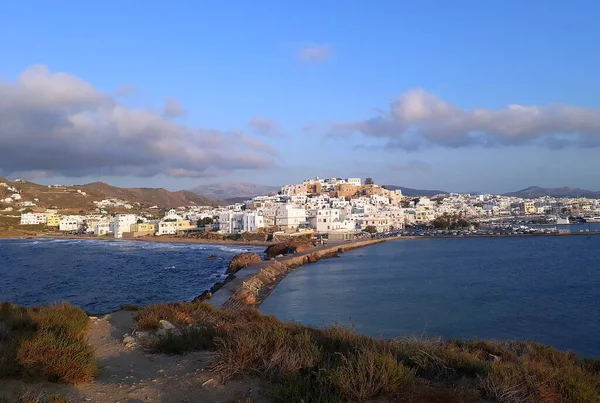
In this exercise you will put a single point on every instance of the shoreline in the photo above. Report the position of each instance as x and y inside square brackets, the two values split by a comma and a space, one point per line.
[253, 283]
[140, 239]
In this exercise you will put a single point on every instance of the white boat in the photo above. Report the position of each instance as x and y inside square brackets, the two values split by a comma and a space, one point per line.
[562, 221]
[592, 219]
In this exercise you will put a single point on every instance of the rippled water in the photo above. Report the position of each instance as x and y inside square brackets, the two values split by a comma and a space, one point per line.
[101, 275]
[534, 288]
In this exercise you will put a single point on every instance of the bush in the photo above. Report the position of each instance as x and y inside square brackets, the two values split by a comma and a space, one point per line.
[58, 358]
[270, 349]
[306, 364]
[313, 387]
[369, 372]
[46, 342]
[186, 339]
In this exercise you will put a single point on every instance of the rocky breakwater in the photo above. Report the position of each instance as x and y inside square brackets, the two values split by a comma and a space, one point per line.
[285, 248]
[238, 262]
[255, 290]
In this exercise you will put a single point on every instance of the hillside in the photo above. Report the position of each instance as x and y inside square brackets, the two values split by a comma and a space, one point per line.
[536, 191]
[159, 197]
[234, 190]
[416, 192]
[82, 197]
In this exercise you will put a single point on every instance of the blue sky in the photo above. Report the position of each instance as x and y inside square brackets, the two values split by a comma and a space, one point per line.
[384, 89]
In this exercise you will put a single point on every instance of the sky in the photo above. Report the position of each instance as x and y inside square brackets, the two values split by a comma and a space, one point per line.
[487, 96]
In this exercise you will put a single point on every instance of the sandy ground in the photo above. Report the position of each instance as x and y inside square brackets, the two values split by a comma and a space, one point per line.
[134, 376]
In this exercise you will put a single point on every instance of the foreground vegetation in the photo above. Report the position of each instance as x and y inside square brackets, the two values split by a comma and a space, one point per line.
[305, 364]
[45, 344]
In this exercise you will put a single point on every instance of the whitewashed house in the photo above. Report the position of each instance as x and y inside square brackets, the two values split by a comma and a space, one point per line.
[33, 218]
[70, 223]
[290, 216]
[252, 221]
[123, 223]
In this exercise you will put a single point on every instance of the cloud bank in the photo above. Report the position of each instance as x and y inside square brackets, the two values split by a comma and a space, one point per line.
[419, 119]
[315, 54]
[58, 124]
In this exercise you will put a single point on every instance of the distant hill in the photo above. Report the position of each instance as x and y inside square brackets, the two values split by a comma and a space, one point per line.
[536, 191]
[234, 190]
[160, 197]
[69, 197]
[416, 192]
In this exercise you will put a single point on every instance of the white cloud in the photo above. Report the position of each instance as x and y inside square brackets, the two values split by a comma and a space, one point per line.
[59, 124]
[418, 119]
[315, 54]
[173, 108]
[265, 127]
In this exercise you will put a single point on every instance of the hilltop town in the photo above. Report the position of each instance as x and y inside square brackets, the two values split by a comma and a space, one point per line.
[340, 208]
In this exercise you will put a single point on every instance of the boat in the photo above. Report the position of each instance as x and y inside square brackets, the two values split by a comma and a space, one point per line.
[592, 219]
[562, 221]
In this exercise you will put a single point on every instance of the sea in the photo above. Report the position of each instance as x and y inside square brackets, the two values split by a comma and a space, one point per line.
[99, 276]
[540, 288]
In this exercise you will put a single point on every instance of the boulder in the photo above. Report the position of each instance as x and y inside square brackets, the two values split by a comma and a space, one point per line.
[284, 248]
[203, 297]
[165, 324]
[242, 260]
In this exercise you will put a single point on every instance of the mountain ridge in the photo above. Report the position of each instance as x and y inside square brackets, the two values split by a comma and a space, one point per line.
[415, 192]
[81, 197]
[226, 191]
[565, 191]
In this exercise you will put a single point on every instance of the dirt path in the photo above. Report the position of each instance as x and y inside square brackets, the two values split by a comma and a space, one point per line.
[134, 376]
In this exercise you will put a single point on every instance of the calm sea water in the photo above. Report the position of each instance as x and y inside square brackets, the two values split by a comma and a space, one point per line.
[545, 289]
[101, 275]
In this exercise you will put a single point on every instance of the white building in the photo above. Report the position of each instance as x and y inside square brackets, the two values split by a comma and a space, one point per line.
[231, 222]
[123, 224]
[167, 228]
[70, 223]
[33, 218]
[354, 181]
[103, 227]
[290, 216]
[323, 220]
[252, 221]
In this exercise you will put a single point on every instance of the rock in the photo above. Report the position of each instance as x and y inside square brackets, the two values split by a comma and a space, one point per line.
[142, 335]
[161, 332]
[283, 248]
[93, 318]
[165, 324]
[128, 340]
[203, 297]
[212, 257]
[242, 260]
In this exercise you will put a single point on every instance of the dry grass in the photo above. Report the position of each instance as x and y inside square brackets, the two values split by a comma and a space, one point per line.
[31, 395]
[45, 343]
[371, 372]
[306, 364]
